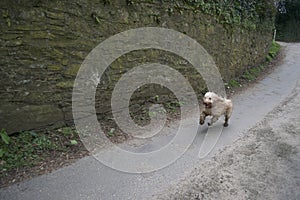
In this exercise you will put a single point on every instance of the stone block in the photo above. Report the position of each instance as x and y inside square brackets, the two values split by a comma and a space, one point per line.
[16, 118]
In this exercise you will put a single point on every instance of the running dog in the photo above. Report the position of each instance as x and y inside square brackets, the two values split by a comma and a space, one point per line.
[216, 106]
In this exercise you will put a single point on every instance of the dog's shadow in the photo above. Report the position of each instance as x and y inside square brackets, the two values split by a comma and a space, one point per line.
[202, 129]
[215, 128]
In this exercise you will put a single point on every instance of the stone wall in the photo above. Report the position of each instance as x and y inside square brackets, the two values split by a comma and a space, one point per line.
[43, 43]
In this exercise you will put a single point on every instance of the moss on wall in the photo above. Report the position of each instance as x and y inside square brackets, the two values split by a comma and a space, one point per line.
[43, 43]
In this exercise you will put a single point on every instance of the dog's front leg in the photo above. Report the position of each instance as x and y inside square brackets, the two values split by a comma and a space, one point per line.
[202, 118]
[226, 121]
[213, 120]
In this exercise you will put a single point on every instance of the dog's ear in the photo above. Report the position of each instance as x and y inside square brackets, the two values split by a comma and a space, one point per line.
[204, 91]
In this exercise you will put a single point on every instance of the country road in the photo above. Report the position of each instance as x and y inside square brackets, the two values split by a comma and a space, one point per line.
[263, 164]
[256, 157]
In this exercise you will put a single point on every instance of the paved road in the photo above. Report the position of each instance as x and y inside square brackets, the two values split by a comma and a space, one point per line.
[262, 165]
[89, 179]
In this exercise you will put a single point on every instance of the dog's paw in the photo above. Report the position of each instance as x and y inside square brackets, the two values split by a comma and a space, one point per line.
[225, 124]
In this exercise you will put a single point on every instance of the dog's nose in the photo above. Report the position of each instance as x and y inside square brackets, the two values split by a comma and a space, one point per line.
[207, 105]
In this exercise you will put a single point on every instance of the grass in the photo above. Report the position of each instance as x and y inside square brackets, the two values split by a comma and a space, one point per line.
[274, 50]
[22, 150]
[233, 83]
[172, 106]
[28, 148]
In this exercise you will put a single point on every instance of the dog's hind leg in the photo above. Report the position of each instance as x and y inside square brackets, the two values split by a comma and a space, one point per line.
[227, 116]
[226, 121]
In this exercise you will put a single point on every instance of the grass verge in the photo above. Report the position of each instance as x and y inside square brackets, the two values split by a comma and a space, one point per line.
[30, 153]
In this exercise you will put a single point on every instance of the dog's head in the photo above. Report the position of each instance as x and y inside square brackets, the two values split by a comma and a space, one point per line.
[209, 99]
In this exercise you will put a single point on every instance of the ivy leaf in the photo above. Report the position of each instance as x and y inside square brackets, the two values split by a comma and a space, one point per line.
[1, 153]
[111, 132]
[5, 138]
[73, 142]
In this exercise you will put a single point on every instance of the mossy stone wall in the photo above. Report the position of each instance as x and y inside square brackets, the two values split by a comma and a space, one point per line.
[43, 43]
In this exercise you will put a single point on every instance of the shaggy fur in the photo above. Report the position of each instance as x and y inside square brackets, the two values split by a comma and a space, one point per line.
[215, 106]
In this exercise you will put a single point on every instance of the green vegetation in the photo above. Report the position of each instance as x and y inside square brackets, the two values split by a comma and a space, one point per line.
[274, 50]
[233, 83]
[111, 132]
[67, 131]
[248, 14]
[287, 20]
[253, 72]
[28, 148]
[23, 149]
[6, 17]
[249, 76]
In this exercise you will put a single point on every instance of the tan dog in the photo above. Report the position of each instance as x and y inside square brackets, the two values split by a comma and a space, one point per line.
[215, 106]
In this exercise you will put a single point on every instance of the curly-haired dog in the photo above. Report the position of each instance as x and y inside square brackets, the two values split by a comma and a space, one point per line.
[215, 106]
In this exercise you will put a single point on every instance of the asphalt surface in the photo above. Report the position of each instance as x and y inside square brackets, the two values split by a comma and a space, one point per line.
[264, 164]
[89, 179]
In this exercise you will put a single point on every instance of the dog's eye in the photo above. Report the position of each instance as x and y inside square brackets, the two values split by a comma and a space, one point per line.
[209, 98]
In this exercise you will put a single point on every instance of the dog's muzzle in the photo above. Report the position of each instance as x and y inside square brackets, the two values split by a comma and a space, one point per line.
[207, 105]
